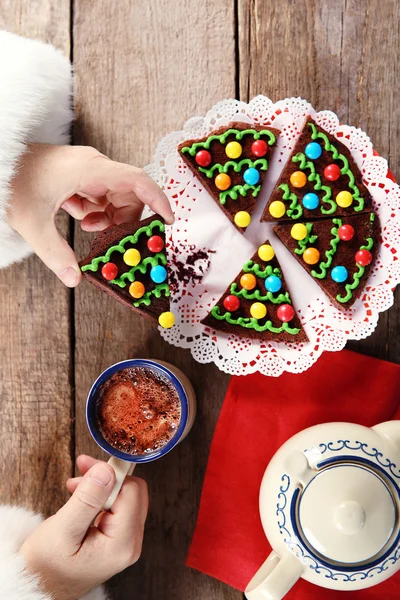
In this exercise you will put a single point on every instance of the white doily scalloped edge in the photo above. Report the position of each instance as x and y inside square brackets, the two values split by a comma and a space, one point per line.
[199, 222]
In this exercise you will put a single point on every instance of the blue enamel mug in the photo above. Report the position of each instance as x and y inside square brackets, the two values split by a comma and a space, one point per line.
[122, 462]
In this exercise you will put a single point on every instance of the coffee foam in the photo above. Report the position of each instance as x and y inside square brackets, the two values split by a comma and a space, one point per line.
[138, 410]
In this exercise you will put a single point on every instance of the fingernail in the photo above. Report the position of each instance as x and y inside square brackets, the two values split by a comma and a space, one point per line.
[100, 475]
[69, 276]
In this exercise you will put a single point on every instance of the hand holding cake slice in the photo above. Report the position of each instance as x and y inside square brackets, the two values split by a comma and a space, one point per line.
[319, 180]
[257, 304]
[338, 253]
[129, 263]
[231, 163]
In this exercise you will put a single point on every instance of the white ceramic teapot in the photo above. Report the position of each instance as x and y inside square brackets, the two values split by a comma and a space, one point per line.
[330, 504]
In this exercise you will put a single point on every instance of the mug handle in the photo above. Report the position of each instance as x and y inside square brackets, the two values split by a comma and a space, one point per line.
[274, 578]
[122, 468]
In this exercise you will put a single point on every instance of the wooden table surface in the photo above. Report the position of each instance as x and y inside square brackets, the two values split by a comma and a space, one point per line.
[142, 68]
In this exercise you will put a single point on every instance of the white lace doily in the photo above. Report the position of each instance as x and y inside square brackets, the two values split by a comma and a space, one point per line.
[206, 252]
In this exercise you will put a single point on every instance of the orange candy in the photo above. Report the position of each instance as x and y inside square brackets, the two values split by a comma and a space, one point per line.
[298, 179]
[222, 181]
[248, 281]
[136, 289]
[311, 256]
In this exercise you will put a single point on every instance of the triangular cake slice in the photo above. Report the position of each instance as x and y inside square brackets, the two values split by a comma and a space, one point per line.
[257, 304]
[319, 180]
[338, 253]
[231, 163]
[129, 263]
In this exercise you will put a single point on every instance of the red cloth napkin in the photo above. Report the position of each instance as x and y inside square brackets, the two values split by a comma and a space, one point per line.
[259, 414]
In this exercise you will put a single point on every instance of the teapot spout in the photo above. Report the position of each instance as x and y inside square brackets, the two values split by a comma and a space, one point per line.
[390, 432]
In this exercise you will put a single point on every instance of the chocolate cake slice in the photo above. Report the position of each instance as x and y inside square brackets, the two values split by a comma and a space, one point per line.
[257, 304]
[231, 163]
[338, 253]
[129, 263]
[319, 180]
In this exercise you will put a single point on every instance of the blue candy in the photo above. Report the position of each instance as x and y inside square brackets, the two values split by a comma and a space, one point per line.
[310, 201]
[313, 150]
[158, 274]
[273, 284]
[339, 274]
[251, 176]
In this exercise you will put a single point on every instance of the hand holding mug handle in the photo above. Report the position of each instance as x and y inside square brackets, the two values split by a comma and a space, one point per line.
[122, 468]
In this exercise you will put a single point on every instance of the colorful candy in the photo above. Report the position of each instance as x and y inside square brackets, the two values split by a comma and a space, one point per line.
[222, 181]
[344, 199]
[313, 150]
[251, 176]
[203, 158]
[158, 274]
[332, 172]
[299, 231]
[339, 274]
[273, 284]
[132, 257]
[231, 303]
[346, 233]
[166, 320]
[298, 179]
[233, 150]
[259, 148]
[363, 258]
[248, 281]
[155, 243]
[109, 271]
[242, 218]
[136, 289]
[258, 310]
[266, 252]
[311, 256]
[310, 201]
[285, 313]
[277, 209]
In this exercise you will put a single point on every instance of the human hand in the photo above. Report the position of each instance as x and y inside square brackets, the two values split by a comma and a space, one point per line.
[87, 185]
[68, 553]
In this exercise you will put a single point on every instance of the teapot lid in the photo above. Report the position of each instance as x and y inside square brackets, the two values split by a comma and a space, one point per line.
[346, 513]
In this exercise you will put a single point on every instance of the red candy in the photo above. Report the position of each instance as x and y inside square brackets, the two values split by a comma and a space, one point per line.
[285, 313]
[109, 271]
[346, 233]
[332, 172]
[363, 258]
[155, 243]
[203, 158]
[259, 148]
[231, 303]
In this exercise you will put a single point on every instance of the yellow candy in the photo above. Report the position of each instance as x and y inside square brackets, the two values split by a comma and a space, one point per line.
[277, 209]
[132, 257]
[266, 252]
[311, 256]
[242, 218]
[298, 179]
[344, 199]
[222, 181]
[258, 310]
[233, 150]
[166, 320]
[136, 289]
[298, 231]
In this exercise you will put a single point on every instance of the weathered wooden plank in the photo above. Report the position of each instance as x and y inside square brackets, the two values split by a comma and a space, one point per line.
[35, 369]
[142, 68]
[340, 56]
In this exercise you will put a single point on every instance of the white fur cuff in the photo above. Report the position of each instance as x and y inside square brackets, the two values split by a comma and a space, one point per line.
[16, 524]
[35, 106]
